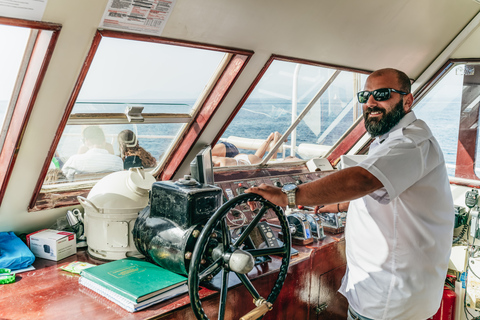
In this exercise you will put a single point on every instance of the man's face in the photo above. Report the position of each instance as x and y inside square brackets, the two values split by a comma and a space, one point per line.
[378, 121]
[381, 116]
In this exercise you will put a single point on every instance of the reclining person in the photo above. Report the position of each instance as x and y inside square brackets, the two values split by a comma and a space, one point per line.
[243, 159]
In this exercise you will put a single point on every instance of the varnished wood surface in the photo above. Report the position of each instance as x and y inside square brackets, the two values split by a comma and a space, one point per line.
[313, 278]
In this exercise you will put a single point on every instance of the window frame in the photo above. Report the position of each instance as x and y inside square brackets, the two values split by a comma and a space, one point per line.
[34, 66]
[467, 139]
[350, 137]
[466, 143]
[237, 60]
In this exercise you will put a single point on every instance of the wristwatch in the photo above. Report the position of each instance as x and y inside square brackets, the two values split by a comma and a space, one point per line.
[290, 190]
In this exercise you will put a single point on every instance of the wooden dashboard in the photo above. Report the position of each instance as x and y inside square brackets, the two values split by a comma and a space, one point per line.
[309, 291]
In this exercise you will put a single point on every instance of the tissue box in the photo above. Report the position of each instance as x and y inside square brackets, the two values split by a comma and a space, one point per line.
[52, 244]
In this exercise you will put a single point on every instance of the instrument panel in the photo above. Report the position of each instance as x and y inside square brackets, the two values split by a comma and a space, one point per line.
[243, 214]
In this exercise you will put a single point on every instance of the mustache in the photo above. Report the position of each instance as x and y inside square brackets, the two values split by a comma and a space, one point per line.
[374, 109]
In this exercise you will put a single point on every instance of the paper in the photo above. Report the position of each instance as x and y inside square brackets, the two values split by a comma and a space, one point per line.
[149, 16]
[23, 9]
[30, 268]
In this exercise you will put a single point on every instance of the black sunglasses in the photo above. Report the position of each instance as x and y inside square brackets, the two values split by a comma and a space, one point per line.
[379, 94]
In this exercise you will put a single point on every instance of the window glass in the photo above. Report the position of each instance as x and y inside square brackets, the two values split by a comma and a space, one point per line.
[440, 109]
[170, 78]
[85, 150]
[281, 96]
[135, 101]
[13, 42]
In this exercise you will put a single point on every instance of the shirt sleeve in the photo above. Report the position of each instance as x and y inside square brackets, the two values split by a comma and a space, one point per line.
[399, 163]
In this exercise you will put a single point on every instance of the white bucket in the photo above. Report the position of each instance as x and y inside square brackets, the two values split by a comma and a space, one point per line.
[111, 209]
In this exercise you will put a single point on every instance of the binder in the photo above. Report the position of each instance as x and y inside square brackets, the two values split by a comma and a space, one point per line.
[128, 304]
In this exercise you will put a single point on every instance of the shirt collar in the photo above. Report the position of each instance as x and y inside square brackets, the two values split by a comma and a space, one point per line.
[405, 121]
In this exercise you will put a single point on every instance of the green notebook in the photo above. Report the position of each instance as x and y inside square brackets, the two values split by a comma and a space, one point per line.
[134, 279]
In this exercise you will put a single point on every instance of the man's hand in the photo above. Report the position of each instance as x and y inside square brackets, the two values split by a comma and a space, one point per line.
[272, 194]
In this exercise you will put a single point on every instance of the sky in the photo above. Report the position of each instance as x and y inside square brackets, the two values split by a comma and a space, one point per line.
[123, 69]
[127, 69]
[15, 40]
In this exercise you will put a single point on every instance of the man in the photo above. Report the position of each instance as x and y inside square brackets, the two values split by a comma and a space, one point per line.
[96, 159]
[400, 216]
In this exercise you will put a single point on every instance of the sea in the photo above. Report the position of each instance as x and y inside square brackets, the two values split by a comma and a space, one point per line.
[256, 120]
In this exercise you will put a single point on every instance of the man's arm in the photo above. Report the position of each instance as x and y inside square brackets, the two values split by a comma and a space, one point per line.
[334, 207]
[341, 186]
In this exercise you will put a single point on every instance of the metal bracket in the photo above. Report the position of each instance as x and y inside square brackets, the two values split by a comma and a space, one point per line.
[134, 114]
[319, 309]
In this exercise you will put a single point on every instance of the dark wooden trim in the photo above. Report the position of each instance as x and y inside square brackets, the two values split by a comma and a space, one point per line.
[30, 24]
[467, 135]
[242, 101]
[37, 66]
[203, 117]
[168, 41]
[63, 122]
[348, 142]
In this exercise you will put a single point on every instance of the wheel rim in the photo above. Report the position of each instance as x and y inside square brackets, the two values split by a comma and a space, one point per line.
[217, 223]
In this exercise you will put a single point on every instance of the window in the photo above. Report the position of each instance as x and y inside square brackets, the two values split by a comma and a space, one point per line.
[27, 47]
[135, 104]
[149, 89]
[14, 40]
[440, 109]
[450, 106]
[310, 106]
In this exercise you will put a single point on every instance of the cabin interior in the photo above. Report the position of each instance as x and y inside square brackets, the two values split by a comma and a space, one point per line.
[277, 79]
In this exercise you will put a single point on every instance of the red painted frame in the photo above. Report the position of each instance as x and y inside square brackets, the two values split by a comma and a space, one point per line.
[36, 68]
[468, 130]
[203, 117]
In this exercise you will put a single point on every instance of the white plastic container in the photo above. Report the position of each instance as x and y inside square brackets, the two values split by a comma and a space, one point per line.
[111, 208]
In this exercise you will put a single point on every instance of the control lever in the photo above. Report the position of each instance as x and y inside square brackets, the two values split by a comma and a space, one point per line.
[293, 229]
[258, 312]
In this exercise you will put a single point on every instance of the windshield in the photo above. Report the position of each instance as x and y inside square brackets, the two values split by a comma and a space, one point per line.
[307, 107]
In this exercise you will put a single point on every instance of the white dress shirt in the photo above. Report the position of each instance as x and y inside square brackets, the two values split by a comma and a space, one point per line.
[398, 238]
[94, 160]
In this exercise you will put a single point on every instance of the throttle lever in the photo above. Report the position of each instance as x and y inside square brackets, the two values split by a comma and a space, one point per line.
[258, 312]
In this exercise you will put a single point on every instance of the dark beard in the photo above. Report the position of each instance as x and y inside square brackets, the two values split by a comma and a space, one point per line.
[386, 123]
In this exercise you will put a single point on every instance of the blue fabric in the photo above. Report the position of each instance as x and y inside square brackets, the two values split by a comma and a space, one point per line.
[14, 254]
[230, 149]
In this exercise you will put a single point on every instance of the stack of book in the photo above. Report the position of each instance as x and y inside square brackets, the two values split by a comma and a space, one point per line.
[132, 283]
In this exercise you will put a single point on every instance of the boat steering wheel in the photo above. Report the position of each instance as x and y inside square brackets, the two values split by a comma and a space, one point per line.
[229, 255]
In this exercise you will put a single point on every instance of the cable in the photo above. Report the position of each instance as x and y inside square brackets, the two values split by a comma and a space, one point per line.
[461, 234]
[235, 225]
